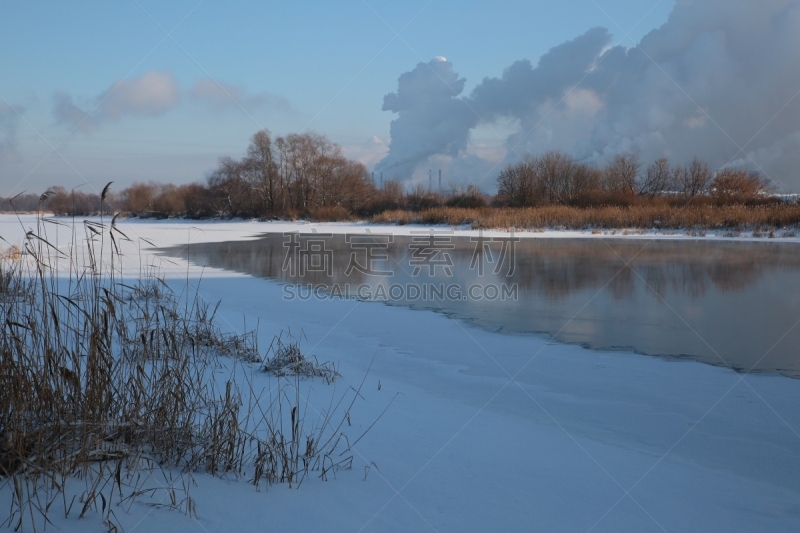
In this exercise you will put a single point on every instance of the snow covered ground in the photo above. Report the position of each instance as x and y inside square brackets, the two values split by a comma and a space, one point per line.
[491, 432]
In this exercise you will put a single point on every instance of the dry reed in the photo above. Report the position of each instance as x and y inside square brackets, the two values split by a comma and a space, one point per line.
[284, 358]
[106, 382]
[659, 216]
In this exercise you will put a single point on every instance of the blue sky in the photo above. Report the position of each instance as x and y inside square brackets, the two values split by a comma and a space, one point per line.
[293, 66]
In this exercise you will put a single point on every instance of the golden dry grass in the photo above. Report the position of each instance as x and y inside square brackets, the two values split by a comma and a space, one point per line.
[725, 217]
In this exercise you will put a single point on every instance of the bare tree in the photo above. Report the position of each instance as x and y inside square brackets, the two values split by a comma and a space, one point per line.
[517, 182]
[389, 197]
[348, 185]
[261, 172]
[657, 179]
[315, 174]
[554, 172]
[197, 200]
[299, 159]
[228, 185]
[295, 173]
[694, 179]
[622, 174]
[584, 179]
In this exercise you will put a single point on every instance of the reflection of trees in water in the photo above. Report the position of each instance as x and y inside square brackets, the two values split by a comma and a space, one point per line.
[623, 284]
[552, 268]
[557, 269]
[265, 257]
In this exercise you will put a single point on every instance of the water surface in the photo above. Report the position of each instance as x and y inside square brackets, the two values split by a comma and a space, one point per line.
[726, 303]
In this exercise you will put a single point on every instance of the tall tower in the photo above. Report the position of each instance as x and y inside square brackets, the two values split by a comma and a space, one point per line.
[430, 180]
[440, 181]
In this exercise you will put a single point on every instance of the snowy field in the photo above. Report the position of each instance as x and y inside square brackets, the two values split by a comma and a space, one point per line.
[488, 432]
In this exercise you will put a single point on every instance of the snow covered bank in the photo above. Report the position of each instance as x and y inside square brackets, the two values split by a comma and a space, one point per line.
[214, 231]
[493, 432]
[176, 232]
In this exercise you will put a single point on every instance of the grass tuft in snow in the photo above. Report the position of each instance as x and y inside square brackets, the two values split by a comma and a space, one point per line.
[284, 358]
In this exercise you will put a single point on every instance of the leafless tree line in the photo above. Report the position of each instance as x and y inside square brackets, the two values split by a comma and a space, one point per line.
[556, 178]
[299, 173]
[307, 175]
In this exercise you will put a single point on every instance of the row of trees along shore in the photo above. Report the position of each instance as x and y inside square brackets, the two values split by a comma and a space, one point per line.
[306, 175]
[556, 178]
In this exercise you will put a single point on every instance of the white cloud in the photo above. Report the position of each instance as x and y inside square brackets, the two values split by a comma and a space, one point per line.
[150, 95]
[220, 96]
[153, 94]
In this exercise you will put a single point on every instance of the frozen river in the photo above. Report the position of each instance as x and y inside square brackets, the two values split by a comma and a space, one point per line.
[725, 303]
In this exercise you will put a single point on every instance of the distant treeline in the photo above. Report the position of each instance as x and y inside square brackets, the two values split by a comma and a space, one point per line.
[556, 179]
[306, 175]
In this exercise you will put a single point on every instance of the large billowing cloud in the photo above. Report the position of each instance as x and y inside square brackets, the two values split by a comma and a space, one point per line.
[432, 120]
[719, 80]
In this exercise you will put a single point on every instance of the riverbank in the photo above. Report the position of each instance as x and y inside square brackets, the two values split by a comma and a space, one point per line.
[774, 219]
[487, 431]
[178, 231]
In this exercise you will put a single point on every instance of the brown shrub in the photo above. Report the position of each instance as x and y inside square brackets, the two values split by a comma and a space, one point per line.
[421, 198]
[469, 197]
[334, 213]
[737, 184]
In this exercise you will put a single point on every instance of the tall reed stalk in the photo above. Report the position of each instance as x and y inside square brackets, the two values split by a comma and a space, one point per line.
[104, 378]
